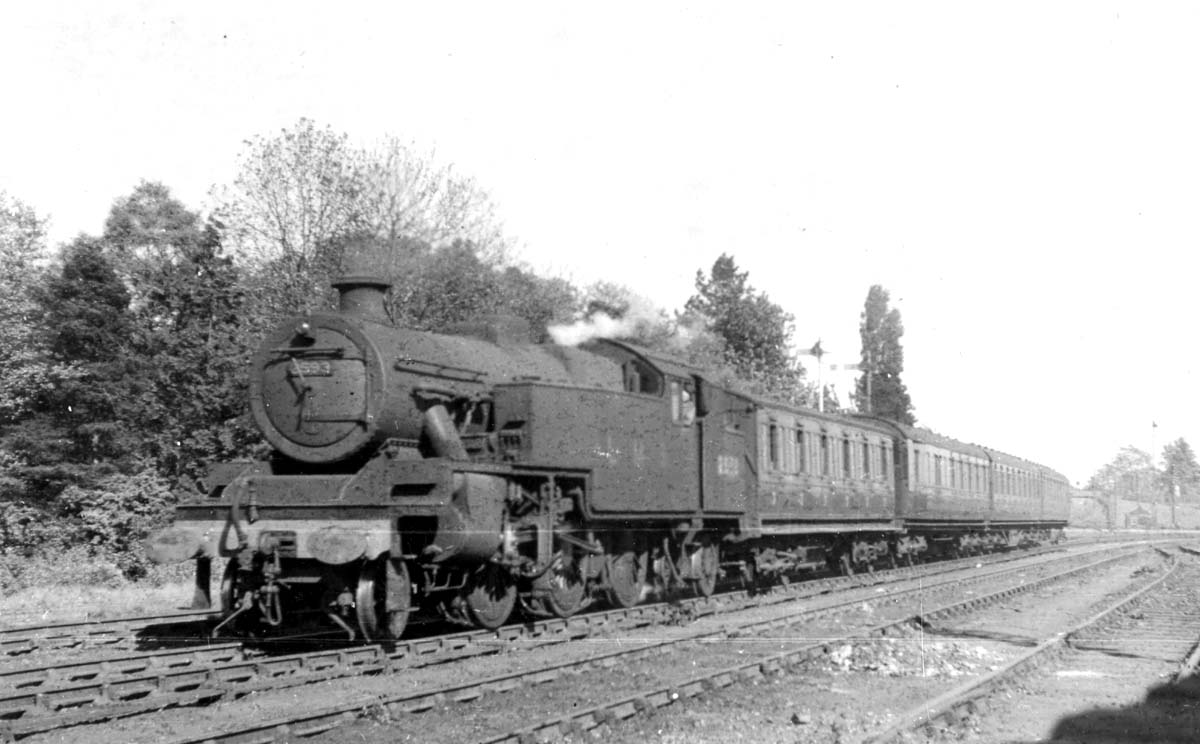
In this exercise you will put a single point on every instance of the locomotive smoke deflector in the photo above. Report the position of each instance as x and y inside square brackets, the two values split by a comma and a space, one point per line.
[363, 295]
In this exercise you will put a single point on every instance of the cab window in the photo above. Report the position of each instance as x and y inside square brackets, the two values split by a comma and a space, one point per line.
[642, 378]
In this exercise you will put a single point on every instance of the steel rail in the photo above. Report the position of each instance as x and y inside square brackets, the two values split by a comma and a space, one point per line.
[85, 633]
[314, 722]
[81, 677]
[118, 695]
[951, 705]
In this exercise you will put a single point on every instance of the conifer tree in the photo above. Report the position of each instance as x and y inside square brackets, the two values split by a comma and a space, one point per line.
[756, 331]
[879, 390]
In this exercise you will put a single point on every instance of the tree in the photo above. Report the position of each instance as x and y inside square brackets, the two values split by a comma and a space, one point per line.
[150, 223]
[404, 193]
[85, 311]
[756, 332]
[1182, 470]
[292, 200]
[293, 194]
[879, 390]
[433, 288]
[196, 349]
[24, 363]
[156, 388]
[539, 300]
[1131, 475]
[300, 196]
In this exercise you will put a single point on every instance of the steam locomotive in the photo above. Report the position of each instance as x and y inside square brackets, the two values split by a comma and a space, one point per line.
[466, 472]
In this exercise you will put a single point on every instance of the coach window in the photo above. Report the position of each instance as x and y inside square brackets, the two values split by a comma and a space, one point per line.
[866, 459]
[883, 460]
[773, 446]
[801, 452]
[825, 469]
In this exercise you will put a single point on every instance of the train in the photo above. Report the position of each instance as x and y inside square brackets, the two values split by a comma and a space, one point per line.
[465, 474]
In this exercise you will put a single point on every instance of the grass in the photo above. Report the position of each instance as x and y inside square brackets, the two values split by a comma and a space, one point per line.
[74, 586]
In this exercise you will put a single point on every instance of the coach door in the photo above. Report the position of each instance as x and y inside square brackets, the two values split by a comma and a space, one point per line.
[724, 422]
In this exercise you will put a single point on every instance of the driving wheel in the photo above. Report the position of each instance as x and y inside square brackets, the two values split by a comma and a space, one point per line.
[490, 595]
[626, 577]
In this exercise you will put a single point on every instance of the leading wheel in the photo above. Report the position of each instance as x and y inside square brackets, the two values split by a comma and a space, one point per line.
[383, 599]
[490, 596]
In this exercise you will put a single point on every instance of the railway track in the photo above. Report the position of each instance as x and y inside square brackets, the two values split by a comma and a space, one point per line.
[111, 633]
[774, 628]
[1160, 622]
[124, 632]
[39, 700]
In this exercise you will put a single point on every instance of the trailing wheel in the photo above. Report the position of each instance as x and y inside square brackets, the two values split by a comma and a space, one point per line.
[490, 596]
[845, 565]
[383, 599]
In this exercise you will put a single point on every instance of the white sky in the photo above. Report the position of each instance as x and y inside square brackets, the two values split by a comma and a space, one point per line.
[1023, 177]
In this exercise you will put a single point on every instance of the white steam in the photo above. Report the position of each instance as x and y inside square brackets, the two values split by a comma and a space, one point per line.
[599, 325]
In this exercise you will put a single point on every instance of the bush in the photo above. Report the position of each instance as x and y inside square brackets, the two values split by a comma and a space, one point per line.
[114, 517]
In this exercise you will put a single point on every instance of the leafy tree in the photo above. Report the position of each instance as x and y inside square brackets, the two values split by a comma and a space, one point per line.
[539, 300]
[756, 332]
[1131, 475]
[196, 350]
[882, 360]
[293, 199]
[150, 224]
[434, 288]
[300, 196]
[190, 343]
[24, 363]
[1182, 469]
[405, 193]
[443, 286]
[86, 312]
[72, 431]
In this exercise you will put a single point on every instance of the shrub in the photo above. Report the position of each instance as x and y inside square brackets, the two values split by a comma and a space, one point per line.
[115, 516]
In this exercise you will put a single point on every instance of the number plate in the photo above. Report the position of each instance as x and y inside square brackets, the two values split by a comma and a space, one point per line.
[312, 369]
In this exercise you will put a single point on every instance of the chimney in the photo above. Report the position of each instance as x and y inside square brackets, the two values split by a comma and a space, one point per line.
[362, 295]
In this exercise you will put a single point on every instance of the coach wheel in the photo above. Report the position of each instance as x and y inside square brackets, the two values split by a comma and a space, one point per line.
[490, 596]
[707, 566]
[626, 577]
[383, 599]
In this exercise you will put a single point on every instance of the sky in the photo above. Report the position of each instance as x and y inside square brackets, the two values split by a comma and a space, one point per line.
[1023, 178]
